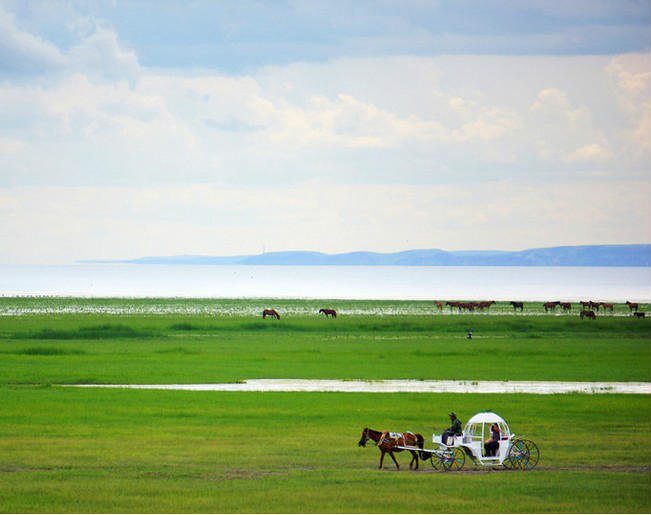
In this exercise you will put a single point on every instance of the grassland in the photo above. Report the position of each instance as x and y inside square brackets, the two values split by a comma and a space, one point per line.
[71, 450]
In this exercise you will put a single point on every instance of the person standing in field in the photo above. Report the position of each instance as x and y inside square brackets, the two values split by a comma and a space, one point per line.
[453, 430]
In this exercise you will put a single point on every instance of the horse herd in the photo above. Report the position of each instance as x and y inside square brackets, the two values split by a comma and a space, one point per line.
[589, 308]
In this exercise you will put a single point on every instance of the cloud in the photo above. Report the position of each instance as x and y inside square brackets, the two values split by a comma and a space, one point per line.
[589, 153]
[24, 53]
[98, 53]
[373, 152]
[632, 76]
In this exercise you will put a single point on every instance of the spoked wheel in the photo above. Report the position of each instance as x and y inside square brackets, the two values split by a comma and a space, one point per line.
[455, 459]
[437, 461]
[518, 454]
[533, 455]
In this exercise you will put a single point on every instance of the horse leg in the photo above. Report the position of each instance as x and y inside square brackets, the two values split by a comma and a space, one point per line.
[414, 458]
[381, 458]
[394, 459]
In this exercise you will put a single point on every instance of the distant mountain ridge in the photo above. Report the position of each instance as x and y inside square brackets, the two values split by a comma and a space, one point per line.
[582, 255]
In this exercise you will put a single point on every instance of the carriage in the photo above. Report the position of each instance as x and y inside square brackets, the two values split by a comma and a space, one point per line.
[511, 452]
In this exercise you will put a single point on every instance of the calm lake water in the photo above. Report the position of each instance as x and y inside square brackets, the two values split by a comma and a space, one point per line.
[329, 282]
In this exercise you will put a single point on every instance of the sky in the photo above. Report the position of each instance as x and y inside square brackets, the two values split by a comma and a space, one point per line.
[157, 128]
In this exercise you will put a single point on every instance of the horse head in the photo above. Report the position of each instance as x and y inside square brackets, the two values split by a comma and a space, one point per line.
[364, 438]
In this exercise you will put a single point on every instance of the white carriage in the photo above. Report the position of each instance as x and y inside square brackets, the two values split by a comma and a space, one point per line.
[511, 452]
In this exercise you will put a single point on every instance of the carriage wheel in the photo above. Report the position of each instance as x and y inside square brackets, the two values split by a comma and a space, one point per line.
[437, 461]
[533, 455]
[455, 460]
[518, 453]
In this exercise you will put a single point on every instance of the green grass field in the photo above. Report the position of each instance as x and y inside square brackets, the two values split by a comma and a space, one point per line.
[97, 450]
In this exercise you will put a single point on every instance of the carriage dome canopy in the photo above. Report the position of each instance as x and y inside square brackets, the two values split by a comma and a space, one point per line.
[487, 417]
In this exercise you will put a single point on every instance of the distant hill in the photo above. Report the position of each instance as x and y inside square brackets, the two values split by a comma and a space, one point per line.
[583, 255]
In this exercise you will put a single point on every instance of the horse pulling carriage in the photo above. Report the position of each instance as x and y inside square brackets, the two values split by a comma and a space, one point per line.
[510, 452]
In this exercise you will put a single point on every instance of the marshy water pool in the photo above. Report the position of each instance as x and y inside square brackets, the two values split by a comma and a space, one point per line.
[396, 386]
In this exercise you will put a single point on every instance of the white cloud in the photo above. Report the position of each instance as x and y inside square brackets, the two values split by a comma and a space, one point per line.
[593, 152]
[366, 153]
[632, 76]
[21, 52]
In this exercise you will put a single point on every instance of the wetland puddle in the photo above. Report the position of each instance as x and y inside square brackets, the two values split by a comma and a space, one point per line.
[396, 386]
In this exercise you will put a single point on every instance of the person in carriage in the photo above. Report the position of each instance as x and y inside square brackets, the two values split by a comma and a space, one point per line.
[453, 430]
[491, 445]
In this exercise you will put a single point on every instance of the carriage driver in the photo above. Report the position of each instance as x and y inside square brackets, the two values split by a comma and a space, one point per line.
[453, 430]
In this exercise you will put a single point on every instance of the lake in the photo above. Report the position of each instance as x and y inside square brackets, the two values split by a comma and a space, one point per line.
[329, 282]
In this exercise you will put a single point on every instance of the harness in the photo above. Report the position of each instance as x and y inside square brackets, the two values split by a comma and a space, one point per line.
[395, 436]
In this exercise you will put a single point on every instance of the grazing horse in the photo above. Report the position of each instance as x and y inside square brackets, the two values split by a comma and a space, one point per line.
[453, 305]
[632, 305]
[550, 305]
[470, 306]
[271, 313]
[388, 443]
[517, 305]
[606, 306]
[567, 306]
[485, 305]
[588, 314]
[438, 305]
[328, 312]
[639, 314]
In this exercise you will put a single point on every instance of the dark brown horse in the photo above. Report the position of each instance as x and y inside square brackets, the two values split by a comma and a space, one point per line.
[389, 443]
[328, 312]
[270, 313]
[607, 306]
[639, 314]
[517, 305]
[566, 306]
[588, 314]
[550, 305]
[585, 304]
[594, 305]
[486, 304]
[453, 304]
[632, 306]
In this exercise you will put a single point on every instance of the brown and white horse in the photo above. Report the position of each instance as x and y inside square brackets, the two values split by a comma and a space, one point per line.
[389, 443]
[270, 313]
[328, 312]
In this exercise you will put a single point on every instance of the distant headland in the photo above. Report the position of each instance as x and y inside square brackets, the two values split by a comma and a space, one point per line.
[638, 255]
